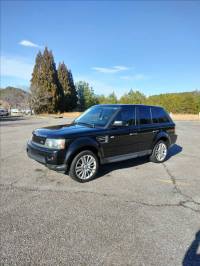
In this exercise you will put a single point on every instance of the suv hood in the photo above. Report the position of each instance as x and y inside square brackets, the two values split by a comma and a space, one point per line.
[65, 131]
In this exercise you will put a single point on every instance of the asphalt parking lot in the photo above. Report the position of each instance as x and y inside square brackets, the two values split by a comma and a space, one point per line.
[134, 213]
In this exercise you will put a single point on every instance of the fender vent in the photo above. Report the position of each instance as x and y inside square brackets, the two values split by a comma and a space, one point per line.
[102, 139]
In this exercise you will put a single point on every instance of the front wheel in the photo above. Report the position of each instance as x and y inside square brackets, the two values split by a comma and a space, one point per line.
[159, 153]
[84, 166]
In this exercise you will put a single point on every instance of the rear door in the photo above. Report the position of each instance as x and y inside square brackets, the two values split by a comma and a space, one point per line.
[162, 121]
[146, 130]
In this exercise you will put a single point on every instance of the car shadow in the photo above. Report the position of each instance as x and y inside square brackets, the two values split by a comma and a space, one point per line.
[12, 118]
[174, 150]
[105, 169]
[192, 257]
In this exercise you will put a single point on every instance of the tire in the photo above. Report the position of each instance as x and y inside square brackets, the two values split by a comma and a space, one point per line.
[159, 153]
[84, 166]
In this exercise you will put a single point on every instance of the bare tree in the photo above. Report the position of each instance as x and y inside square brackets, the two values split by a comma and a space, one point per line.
[39, 100]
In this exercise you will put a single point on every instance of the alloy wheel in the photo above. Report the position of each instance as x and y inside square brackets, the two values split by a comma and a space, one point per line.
[161, 151]
[85, 167]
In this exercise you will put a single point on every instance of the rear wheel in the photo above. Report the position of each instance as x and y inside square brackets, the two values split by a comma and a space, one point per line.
[159, 153]
[84, 166]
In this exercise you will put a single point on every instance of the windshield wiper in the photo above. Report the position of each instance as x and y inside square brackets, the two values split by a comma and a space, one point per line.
[85, 124]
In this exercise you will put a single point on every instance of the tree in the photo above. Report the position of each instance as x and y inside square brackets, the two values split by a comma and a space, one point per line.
[37, 70]
[63, 81]
[35, 88]
[102, 99]
[112, 98]
[39, 100]
[197, 100]
[68, 97]
[185, 102]
[86, 96]
[44, 83]
[49, 80]
[73, 92]
[133, 97]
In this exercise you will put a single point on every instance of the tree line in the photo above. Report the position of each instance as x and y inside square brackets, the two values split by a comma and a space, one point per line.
[183, 102]
[53, 90]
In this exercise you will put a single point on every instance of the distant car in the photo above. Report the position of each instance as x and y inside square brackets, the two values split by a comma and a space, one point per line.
[104, 134]
[15, 111]
[27, 111]
[4, 112]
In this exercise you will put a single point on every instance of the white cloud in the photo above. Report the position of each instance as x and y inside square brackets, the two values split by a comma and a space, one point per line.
[29, 44]
[121, 68]
[113, 69]
[135, 77]
[17, 67]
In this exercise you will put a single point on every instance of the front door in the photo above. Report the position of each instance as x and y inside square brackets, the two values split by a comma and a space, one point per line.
[121, 139]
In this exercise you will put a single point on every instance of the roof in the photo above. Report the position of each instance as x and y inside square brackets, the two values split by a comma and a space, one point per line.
[121, 105]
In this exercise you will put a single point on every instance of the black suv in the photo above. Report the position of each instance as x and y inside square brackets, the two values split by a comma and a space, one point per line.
[104, 134]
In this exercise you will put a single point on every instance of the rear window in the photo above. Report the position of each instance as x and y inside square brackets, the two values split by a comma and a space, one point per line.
[143, 115]
[159, 115]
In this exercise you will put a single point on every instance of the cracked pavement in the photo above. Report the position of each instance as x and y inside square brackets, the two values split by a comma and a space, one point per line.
[134, 213]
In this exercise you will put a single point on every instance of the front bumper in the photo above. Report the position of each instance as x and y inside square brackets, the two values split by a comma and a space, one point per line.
[53, 159]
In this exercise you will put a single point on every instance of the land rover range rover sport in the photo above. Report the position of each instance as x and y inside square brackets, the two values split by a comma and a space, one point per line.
[104, 134]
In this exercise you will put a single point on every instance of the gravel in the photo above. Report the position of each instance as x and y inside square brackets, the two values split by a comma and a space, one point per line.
[134, 213]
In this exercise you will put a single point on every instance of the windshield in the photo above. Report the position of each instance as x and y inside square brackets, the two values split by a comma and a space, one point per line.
[97, 116]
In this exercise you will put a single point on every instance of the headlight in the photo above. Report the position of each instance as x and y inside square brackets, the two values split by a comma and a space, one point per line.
[55, 143]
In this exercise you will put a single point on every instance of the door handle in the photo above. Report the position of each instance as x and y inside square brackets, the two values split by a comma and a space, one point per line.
[154, 131]
[133, 134]
[112, 137]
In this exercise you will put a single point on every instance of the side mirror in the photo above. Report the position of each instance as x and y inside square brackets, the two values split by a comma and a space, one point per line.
[118, 123]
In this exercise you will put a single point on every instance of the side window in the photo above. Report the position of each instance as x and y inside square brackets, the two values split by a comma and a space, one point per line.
[143, 115]
[159, 115]
[127, 115]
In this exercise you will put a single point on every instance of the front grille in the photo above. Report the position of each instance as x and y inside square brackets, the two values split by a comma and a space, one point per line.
[38, 139]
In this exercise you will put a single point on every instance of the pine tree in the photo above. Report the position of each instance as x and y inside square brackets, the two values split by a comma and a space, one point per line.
[64, 87]
[73, 92]
[37, 69]
[49, 81]
[44, 84]
[38, 97]
[66, 83]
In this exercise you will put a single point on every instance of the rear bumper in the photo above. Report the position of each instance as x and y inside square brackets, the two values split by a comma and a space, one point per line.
[53, 159]
[173, 139]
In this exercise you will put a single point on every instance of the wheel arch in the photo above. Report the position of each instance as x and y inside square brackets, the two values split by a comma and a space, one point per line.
[81, 145]
[162, 136]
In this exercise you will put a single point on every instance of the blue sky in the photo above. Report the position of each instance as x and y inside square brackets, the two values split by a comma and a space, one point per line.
[152, 46]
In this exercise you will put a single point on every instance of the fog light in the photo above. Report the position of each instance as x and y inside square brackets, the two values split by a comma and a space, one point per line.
[50, 157]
